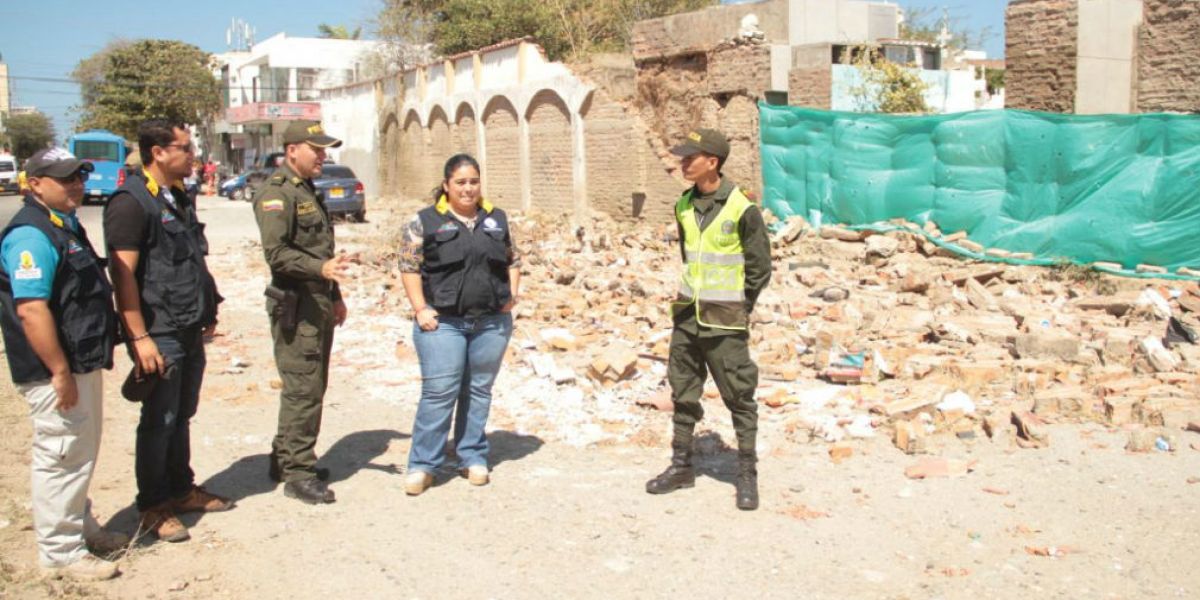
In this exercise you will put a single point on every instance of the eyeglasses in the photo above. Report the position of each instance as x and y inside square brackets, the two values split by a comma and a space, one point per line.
[188, 148]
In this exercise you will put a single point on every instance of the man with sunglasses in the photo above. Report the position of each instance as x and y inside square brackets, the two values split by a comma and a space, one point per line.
[167, 301]
[59, 330]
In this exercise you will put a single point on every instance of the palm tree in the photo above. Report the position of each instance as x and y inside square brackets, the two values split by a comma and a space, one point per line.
[338, 32]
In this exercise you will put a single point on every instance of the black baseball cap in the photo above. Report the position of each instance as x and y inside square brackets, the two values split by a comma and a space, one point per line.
[309, 132]
[708, 141]
[55, 162]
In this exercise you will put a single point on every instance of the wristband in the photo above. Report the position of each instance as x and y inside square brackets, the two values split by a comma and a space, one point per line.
[140, 337]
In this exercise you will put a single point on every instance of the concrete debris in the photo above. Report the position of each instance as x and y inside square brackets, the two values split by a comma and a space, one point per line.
[858, 334]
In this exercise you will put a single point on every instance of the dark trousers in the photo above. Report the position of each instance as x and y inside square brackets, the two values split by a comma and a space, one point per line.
[302, 356]
[727, 357]
[163, 451]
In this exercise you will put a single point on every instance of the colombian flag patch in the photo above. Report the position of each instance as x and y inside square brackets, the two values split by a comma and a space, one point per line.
[269, 205]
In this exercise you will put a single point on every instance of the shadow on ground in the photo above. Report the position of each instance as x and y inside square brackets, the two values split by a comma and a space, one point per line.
[247, 476]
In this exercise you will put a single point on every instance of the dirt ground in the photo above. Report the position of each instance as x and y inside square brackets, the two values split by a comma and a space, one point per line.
[560, 520]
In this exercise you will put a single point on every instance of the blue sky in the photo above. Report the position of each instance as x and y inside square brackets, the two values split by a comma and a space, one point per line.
[47, 38]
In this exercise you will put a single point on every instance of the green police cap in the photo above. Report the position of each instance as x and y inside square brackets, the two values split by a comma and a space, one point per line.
[309, 132]
[708, 141]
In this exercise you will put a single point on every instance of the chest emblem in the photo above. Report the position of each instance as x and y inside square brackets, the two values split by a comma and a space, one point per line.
[727, 227]
[305, 208]
[73, 247]
[167, 216]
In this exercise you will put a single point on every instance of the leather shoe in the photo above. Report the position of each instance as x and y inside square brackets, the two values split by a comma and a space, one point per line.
[309, 491]
[274, 474]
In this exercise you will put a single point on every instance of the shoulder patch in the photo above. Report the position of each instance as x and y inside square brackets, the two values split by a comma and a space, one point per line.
[272, 205]
[277, 179]
[27, 270]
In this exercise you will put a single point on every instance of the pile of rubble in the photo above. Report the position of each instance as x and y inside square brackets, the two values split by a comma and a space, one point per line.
[858, 334]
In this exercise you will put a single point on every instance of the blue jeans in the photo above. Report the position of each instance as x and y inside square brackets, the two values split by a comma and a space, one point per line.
[459, 362]
[164, 447]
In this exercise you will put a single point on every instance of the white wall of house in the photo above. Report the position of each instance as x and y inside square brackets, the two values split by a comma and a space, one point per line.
[840, 21]
[349, 114]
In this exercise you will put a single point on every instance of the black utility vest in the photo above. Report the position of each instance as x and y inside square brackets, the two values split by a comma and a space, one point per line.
[177, 291]
[80, 300]
[455, 258]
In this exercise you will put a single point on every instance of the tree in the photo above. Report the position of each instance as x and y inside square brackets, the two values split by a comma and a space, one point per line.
[887, 87]
[338, 32]
[89, 73]
[149, 79]
[566, 29]
[29, 132]
[921, 23]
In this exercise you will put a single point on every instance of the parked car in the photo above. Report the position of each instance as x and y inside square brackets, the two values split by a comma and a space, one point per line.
[344, 193]
[255, 177]
[9, 181]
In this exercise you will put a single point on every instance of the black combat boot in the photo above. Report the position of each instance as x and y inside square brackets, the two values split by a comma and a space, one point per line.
[677, 476]
[747, 481]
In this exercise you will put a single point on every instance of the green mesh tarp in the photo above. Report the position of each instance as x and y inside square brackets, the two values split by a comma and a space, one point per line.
[1115, 188]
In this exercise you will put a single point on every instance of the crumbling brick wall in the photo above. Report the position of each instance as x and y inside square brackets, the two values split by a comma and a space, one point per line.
[503, 183]
[465, 138]
[441, 144]
[741, 69]
[550, 154]
[1041, 54]
[682, 92]
[413, 168]
[1169, 56]
[389, 155]
[626, 178]
[811, 87]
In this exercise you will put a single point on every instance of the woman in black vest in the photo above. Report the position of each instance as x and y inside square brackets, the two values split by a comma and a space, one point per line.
[461, 275]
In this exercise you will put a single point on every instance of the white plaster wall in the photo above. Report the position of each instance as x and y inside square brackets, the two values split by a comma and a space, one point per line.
[437, 79]
[812, 21]
[500, 68]
[1107, 42]
[464, 74]
[350, 115]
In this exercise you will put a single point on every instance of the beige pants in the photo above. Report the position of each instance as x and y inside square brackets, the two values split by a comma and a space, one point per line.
[65, 446]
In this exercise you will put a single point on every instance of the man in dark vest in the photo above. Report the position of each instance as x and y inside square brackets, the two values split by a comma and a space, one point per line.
[168, 304]
[304, 305]
[59, 330]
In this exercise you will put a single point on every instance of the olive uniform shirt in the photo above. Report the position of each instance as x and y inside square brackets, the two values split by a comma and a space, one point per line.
[297, 235]
[756, 247]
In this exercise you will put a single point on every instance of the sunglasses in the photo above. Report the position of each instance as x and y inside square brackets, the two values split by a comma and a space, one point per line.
[79, 176]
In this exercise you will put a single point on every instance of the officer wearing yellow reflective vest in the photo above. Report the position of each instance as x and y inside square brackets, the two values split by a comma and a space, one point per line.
[727, 263]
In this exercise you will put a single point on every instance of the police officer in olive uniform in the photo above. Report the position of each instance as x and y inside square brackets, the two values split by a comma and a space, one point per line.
[304, 303]
[727, 263]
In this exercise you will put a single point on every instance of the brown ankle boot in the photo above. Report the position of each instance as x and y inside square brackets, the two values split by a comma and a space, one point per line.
[161, 521]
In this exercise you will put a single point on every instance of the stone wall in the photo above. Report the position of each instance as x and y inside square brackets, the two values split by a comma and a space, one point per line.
[502, 166]
[1169, 57]
[1041, 54]
[698, 31]
[550, 153]
[811, 87]
[742, 69]
[717, 89]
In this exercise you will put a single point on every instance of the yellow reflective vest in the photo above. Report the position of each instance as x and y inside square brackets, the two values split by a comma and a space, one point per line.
[714, 273]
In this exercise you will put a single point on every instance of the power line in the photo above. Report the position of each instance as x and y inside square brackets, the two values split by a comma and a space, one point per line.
[142, 84]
